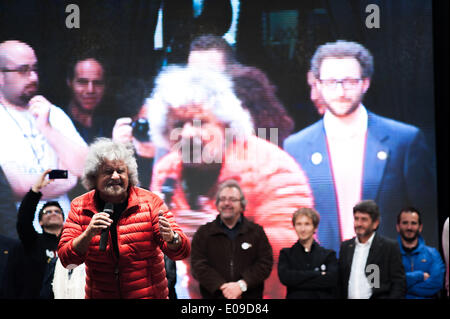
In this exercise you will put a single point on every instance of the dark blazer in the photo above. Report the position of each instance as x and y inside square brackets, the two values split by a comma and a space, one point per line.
[385, 253]
[398, 172]
[301, 272]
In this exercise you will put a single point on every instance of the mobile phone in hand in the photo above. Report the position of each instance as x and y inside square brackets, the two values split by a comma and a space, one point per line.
[57, 174]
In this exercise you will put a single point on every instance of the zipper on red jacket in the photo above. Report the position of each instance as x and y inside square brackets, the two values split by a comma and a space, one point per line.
[115, 252]
[115, 257]
[117, 277]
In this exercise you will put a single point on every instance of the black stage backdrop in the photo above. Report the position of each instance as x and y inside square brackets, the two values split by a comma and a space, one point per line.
[124, 31]
[403, 87]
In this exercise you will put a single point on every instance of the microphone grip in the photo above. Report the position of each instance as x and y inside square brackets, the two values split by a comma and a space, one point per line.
[109, 208]
[103, 239]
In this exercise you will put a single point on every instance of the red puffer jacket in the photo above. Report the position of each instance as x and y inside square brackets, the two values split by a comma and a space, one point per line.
[139, 271]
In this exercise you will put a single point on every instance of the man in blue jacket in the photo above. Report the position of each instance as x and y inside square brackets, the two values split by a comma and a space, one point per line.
[423, 264]
[353, 154]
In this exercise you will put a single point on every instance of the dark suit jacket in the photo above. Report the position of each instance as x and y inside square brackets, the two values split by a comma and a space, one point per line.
[385, 253]
[398, 172]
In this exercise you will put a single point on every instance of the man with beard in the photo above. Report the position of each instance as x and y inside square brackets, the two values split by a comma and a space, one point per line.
[138, 229]
[352, 153]
[424, 267]
[231, 256]
[194, 113]
[36, 135]
[370, 265]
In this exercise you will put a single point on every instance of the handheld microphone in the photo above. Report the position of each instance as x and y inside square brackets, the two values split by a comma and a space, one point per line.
[109, 209]
[168, 189]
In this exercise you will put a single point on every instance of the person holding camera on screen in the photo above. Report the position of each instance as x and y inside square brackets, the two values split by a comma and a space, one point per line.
[34, 260]
[132, 127]
[36, 133]
[119, 230]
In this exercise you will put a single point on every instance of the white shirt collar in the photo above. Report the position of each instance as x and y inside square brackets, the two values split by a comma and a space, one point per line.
[336, 128]
[368, 243]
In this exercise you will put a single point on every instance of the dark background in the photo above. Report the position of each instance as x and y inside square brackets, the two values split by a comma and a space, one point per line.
[404, 86]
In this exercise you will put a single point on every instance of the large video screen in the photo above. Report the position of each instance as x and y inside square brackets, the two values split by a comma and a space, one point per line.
[303, 134]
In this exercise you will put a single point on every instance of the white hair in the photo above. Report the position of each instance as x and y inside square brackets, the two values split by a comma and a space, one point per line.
[106, 149]
[178, 86]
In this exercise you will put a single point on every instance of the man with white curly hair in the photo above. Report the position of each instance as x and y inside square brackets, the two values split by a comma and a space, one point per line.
[139, 228]
[194, 113]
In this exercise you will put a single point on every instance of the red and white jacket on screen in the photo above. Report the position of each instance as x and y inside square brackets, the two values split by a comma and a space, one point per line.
[139, 271]
[273, 183]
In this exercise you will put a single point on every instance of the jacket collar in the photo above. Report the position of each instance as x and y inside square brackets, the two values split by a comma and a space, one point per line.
[91, 201]
[217, 228]
[375, 249]
[49, 235]
[376, 156]
[313, 245]
[238, 223]
[420, 245]
[373, 122]
[335, 129]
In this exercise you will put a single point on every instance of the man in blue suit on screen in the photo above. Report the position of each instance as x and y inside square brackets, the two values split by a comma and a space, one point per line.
[352, 154]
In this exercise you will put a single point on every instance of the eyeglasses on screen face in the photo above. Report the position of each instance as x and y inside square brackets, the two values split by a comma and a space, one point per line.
[24, 70]
[230, 199]
[347, 84]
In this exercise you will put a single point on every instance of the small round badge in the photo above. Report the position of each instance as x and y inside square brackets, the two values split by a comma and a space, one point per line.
[382, 155]
[246, 246]
[316, 158]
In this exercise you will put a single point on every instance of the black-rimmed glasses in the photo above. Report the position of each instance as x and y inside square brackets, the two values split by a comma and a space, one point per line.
[24, 70]
[231, 199]
[347, 84]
